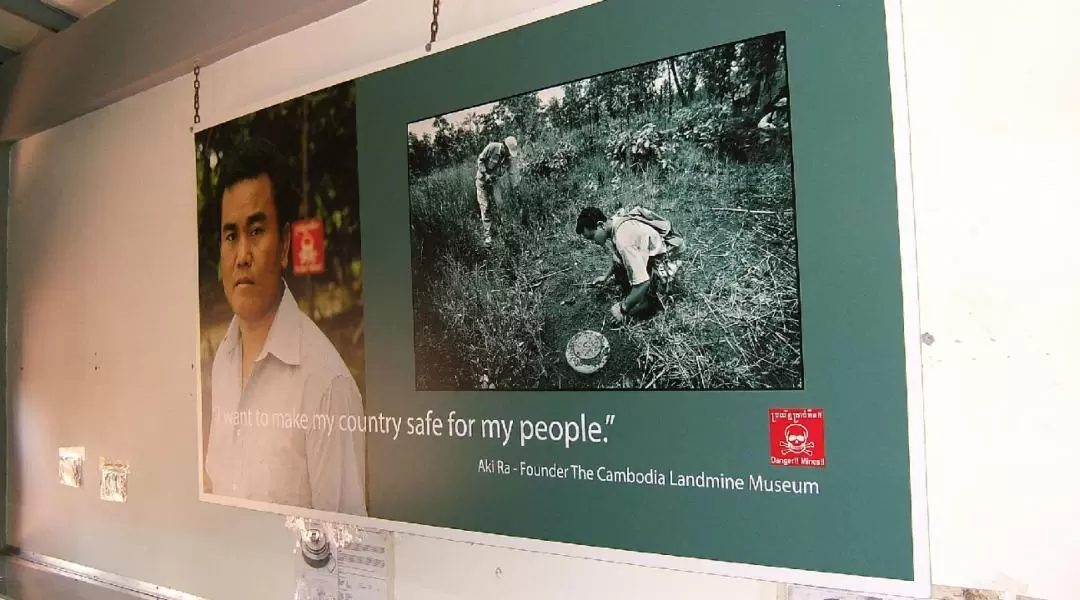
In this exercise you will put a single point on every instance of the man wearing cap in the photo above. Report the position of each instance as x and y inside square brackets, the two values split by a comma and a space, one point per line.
[495, 160]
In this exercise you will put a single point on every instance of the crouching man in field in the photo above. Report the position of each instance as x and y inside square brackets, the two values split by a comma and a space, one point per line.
[646, 253]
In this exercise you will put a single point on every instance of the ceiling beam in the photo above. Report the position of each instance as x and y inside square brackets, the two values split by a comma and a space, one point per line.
[62, 77]
[36, 11]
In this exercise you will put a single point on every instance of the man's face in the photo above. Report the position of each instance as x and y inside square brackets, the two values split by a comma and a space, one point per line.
[596, 235]
[253, 253]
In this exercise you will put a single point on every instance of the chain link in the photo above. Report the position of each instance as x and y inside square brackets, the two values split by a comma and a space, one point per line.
[197, 118]
[434, 23]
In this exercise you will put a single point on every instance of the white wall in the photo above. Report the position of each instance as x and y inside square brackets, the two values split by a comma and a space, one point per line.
[101, 310]
[995, 118]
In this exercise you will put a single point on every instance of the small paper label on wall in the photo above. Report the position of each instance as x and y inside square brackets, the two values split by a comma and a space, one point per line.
[114, 481]
[71, 466]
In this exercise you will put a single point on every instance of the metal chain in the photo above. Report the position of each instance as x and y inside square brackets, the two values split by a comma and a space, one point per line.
[197, 118]
[434, 23]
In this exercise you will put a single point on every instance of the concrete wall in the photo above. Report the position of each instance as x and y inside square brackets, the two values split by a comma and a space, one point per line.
[101, 312]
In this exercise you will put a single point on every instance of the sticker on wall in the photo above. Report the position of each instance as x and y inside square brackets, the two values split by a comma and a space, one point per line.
[71, 466]
[340, 562]
[797, 437]
[114, 481]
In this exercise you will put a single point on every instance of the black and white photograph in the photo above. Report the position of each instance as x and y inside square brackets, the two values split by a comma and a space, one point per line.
[633, 230]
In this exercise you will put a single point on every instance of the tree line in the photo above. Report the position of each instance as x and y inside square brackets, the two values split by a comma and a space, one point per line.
[741, 81]
[317, 135]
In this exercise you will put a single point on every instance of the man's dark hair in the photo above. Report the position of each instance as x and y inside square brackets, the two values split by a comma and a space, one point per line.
[588, 218]
[249, 160]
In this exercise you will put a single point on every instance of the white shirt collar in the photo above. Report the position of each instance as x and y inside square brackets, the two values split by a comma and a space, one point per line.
[283, 341]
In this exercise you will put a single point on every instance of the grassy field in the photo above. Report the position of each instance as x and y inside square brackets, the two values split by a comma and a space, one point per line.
[501, 317]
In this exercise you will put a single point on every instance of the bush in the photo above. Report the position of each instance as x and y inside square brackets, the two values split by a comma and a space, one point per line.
[723, 136]
[647, 147]
[552, 161]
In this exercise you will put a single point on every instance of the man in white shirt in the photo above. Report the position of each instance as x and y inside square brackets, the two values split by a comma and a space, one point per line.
[279, 388]
[645, 252]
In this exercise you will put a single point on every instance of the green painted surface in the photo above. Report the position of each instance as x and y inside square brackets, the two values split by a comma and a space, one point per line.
[849, 264]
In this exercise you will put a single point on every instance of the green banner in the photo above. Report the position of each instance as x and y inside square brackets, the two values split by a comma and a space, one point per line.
[631, 281]
[789, 297]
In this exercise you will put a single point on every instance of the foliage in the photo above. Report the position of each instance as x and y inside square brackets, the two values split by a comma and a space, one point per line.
[551, 161]
[317, 135]
[322, 172]
[726, 136]
[647, 147]
[442, 217]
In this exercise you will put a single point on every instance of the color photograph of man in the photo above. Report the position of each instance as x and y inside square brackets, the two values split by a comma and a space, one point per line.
[278, 387]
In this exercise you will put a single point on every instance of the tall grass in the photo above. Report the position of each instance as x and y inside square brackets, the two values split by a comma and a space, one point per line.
[442, 218]
[733, 320]
[494, 323]
[486, 301]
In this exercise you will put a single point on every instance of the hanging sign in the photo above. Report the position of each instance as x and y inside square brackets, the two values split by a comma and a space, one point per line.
[308, 247]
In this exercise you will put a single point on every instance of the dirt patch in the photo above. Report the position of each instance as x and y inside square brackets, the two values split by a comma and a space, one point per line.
[571, 306]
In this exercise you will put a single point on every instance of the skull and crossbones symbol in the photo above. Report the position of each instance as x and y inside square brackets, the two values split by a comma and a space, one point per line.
[308, 254]
[796, 440]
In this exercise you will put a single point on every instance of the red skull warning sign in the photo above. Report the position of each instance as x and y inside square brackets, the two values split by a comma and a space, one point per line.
[308, 248]
[797, 437]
